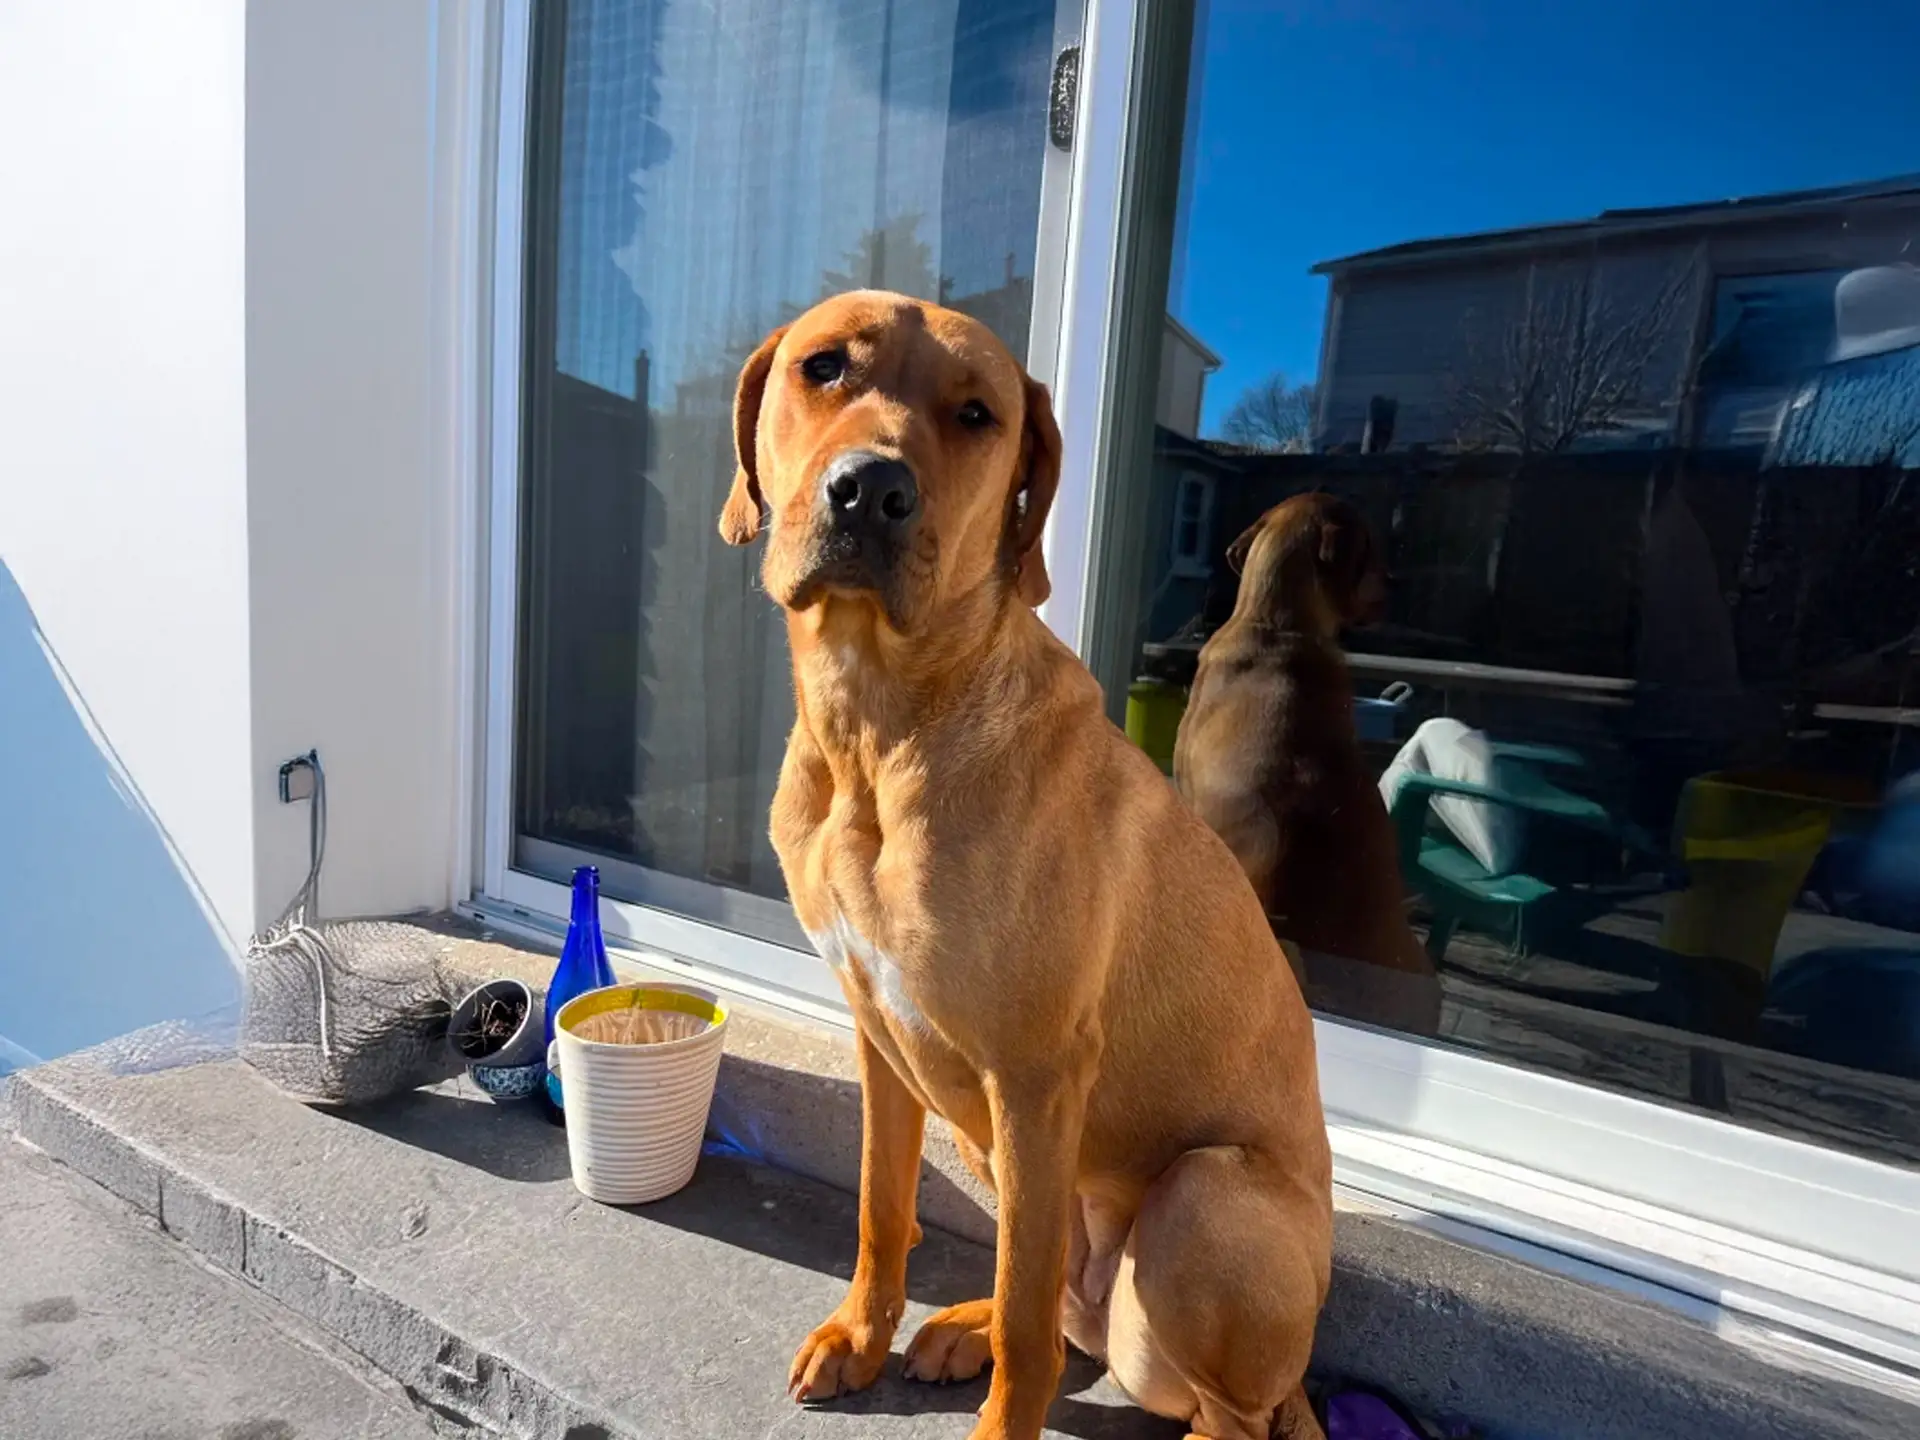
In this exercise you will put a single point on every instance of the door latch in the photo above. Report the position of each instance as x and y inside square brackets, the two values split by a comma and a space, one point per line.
[1063, 97]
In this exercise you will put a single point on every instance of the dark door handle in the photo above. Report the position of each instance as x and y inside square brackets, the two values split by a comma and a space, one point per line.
[1063, 97]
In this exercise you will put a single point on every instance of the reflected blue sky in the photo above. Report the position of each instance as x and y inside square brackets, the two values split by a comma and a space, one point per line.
[1333, 126]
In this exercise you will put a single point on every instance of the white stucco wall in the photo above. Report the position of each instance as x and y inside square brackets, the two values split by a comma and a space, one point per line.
[239, 335]
[354, 185]
[126, 829]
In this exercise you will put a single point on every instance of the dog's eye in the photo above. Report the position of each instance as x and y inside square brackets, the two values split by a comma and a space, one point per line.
[974, 415]
[824, 368]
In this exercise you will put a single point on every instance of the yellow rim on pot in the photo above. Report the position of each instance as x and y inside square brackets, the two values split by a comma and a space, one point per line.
[637, 997]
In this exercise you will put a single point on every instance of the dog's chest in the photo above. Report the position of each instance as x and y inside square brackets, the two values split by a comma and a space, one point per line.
[893, 1017]
[872, 970]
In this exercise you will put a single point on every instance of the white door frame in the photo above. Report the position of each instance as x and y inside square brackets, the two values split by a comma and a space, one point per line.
[1080, 371]
[502, 478]
[1772, 1229]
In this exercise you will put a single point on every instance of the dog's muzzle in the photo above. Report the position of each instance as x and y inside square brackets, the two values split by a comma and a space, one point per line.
[868, 496]
[864, 519]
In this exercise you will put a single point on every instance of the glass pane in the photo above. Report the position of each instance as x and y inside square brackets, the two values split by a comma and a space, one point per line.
[1609, 366]
[698, 175]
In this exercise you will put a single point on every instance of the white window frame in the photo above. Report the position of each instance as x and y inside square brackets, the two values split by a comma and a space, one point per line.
[1755, 1227]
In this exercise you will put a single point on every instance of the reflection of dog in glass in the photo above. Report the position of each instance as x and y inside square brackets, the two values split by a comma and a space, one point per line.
[1268, 756]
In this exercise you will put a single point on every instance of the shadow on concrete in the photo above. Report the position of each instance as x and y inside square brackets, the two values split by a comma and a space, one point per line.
[101, 932]
[809, 1123]
[512, 1141]
[777, 1215]
[1088, 1406]
[804, 1223]
[815, 1227]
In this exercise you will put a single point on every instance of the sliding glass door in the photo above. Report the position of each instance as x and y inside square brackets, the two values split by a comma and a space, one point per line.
[1639, 457]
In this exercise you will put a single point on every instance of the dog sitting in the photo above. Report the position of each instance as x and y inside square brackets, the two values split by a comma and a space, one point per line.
[1267, 755]
[1038, 941]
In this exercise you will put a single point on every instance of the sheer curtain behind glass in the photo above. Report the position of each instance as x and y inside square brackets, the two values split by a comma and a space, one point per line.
[700, 173]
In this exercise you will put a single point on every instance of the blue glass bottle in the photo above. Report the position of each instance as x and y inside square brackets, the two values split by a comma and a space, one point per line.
[583, 966]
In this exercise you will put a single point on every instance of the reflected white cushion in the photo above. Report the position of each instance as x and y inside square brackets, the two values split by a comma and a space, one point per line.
[1493, 834]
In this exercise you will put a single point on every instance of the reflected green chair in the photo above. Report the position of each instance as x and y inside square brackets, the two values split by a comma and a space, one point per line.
[1522, 910]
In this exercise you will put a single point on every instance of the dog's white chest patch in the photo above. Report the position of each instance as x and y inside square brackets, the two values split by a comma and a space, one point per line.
[843, 945]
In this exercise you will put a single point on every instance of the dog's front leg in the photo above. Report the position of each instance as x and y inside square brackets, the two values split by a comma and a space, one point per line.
[846, 1353]
[1036, 1151]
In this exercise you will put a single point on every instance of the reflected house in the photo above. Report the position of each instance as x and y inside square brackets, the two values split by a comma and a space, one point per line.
[1658, 445]
[1684, 325]
[1648, 488]
[1666, 454]
[1185, 501]
[1185, 364]
[1176, 512]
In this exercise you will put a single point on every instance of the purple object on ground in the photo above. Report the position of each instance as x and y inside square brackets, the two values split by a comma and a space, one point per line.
[1356, 1415]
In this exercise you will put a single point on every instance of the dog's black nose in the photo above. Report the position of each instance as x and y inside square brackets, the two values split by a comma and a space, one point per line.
[865, 492]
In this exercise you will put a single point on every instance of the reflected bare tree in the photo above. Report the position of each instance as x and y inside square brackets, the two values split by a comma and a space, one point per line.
[893, 257]
[1573, 362]
[1272, 415]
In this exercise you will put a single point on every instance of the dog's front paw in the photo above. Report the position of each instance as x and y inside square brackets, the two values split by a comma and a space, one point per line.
[953, 1345]
[836, 1359]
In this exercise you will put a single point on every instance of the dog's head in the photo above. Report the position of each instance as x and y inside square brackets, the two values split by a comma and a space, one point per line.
[1310, 563]
[899, 456]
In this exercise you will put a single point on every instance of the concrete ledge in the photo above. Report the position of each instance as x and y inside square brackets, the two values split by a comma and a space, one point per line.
[439, 1237]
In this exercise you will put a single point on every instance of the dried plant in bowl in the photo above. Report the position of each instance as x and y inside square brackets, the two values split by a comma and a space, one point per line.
[499, 1024]
[491, 1024]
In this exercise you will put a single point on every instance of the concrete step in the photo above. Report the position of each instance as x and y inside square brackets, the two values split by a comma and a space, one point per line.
[440, 1237]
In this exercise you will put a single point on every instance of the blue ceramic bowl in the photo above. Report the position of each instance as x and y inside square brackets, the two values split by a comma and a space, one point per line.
[509, 1082]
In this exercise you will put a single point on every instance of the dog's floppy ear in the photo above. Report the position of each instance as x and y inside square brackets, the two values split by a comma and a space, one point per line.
[1039, 479]
[740, 516]
[1237, 551]
[1345, 544]
[1333, 540]
[1348, 555]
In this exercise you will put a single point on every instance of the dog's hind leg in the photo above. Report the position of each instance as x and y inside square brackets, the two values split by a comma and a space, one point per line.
[1219, 1287]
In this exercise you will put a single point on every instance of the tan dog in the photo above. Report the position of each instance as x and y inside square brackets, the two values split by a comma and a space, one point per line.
[1039, 942]
[1268, 757]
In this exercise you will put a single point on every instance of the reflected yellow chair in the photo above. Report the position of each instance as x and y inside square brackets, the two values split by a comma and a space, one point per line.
[1748, 841]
